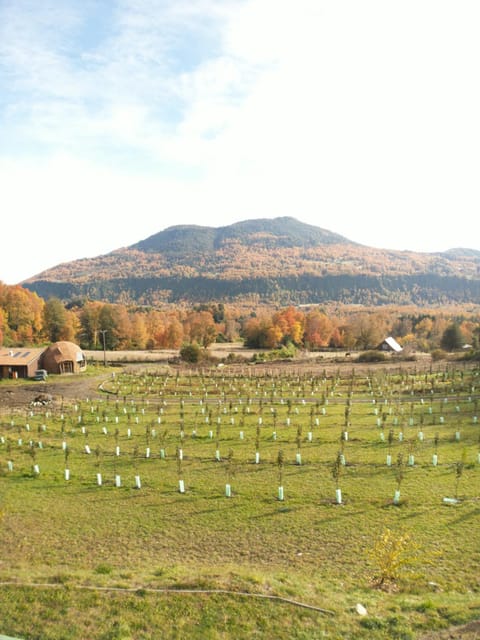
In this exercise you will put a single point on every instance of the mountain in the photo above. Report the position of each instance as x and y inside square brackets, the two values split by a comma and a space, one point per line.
[267, 233]
[280, 260]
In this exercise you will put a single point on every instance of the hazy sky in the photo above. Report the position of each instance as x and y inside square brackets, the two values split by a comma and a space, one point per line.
[119, 118]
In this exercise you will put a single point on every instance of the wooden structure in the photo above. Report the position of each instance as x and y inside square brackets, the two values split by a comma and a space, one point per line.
[20, 362]
[390, 344]
[63, 357]
[60, 357]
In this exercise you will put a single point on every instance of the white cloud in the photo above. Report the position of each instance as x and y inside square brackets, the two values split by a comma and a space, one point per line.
[360, 117]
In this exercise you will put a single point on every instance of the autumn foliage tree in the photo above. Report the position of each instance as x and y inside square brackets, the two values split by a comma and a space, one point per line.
[59, 323]
[26, 319]
[2, 324]
[22, 313]
[89, 317]
[290, 324]
[368, 329]
[319, 330]
[173, 336]
[260, 333]
[199, 327]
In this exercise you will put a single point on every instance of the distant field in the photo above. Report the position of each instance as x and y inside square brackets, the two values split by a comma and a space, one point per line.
[189, 536]
[131, 356]
[220, 350]
[161, 355]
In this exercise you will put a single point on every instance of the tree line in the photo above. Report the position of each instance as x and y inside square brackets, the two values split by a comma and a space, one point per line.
[26, 319]
[184, 287]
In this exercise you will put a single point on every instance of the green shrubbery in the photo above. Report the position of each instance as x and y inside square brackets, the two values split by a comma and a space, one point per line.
[372, 356]
[471, 356]
[190, 352]
[286, 351]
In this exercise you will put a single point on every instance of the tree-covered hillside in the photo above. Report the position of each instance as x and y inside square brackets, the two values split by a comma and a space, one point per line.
[280, 261]
[279, 232]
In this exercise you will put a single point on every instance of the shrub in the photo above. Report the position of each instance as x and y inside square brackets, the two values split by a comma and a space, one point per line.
[234, 357]
[471, 356]
[190, 352]
[393, 554]
[408, 357]
[284, 352]
[372, 356]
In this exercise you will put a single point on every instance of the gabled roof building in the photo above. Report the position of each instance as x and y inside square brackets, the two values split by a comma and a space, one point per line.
[19, 363]
[390, 344]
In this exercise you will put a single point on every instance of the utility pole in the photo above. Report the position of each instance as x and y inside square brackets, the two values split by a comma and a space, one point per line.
[103, 332]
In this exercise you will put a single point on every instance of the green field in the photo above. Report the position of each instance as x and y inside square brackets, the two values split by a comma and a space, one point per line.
[135, 557]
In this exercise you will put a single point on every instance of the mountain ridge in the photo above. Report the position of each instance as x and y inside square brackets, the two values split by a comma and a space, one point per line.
[278, 260]
[283, 231]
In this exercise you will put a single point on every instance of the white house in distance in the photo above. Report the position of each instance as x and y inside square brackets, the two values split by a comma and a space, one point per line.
[390, 344]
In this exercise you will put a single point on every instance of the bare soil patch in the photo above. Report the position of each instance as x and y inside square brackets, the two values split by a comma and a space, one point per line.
[17, 396]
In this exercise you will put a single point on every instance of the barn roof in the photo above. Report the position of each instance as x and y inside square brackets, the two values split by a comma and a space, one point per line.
[393, 344]
[19, 356]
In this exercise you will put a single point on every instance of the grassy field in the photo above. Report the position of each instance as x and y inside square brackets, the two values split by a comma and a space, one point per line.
[138, 557]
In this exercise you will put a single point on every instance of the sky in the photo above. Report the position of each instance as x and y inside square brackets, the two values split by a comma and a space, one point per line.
[120, 118]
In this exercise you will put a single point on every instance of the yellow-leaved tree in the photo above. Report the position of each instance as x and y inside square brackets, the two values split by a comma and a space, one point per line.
[394, 556]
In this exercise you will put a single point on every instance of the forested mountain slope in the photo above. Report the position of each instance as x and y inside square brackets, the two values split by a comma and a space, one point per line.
[278, 260]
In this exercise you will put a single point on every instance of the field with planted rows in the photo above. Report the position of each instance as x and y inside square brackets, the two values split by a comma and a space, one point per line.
[244, 502]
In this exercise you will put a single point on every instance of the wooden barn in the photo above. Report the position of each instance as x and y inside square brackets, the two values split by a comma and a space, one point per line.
[20, 362]
[390, 344]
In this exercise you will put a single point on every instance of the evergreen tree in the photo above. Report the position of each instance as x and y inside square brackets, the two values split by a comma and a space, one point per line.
[452, 338]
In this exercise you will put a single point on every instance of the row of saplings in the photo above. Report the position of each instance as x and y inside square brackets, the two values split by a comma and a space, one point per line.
[387, 389]
[399, 465]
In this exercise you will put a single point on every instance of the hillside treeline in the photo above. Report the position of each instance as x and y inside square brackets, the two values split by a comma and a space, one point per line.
[27, 319]
[298, 288]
